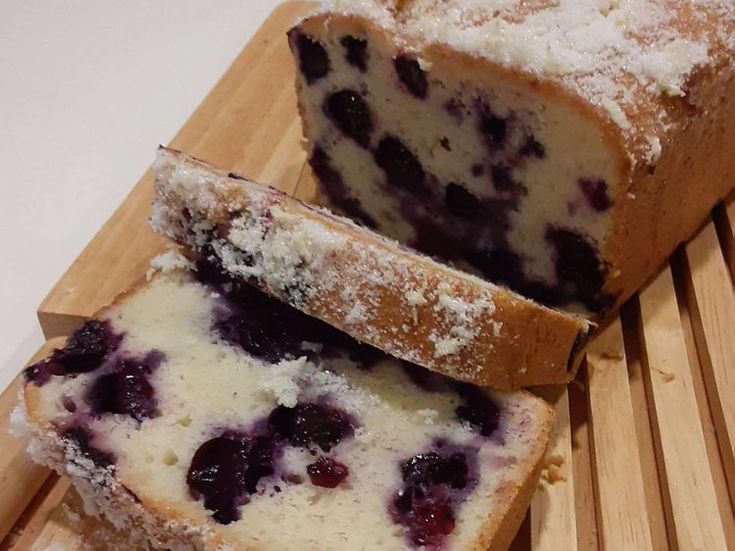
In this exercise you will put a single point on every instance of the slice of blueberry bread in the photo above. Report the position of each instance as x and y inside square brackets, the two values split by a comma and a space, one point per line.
[200, 413]
[366, 285]
[561, 148]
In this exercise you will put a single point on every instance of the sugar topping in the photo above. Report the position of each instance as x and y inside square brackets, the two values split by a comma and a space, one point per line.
[611, 52]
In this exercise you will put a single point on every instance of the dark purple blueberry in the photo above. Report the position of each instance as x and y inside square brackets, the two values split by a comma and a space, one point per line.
[401, 167]
[313, 58]
[478, 410]
[578, 268]
[226, 470]
[411, 75]
[327, 473]
[461, 203]
[126, 390]
[349, 111]
[87, 347]
[492, 127]
[261, 459]
[534, 148]
[335, 188]
[310, 424]
[425, 379]
[83, 439]
[426, 469]
[83, 352]
[217, 473]
[356, 52]
[209, 272]
[595, 191]
[433, 486]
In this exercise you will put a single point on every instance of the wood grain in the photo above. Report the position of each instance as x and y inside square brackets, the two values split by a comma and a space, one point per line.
[713, 318]
[246, 128]
[695, 515]
[621, 501]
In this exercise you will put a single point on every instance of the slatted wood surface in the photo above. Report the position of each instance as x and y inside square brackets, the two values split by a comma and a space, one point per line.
[644, 454]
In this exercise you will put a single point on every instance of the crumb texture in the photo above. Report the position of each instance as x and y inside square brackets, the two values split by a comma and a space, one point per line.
[209, 414]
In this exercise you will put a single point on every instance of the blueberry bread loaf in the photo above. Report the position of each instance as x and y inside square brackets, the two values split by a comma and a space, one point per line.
[561, 148]
[366, 285]
[198, 413]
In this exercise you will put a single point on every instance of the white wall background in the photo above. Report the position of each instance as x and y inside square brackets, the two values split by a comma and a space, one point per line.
[88, 88]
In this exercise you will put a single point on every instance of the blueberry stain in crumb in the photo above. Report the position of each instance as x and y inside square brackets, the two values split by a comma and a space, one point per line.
[351, 114]
[412, 76]
[82, 437]
[334, 187]
[356, 52]
[402, 168]
[313, 58]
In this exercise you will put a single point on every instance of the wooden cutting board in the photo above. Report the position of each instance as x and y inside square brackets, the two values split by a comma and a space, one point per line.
[644, 453]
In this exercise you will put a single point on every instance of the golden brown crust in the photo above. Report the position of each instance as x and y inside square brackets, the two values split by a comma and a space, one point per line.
[520, 344]
[662, 206]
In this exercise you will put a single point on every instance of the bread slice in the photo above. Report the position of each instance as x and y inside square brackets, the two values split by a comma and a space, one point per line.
[198, 413]
[368, 286]
[563, 149]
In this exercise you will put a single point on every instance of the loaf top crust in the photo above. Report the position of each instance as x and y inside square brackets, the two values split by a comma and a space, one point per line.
[638, 63]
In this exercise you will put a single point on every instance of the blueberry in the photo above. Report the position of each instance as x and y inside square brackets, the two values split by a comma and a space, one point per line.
[430, 521]
[313, 58]
[402, 168]
[356, 52]
[326, 472]
[461, 203]
[350, 113]
[478, 409]
[595, 191]
[217, 473]
[432, 486]
[126, 390]
[477, 169]
[334, 187]
[310, 424]
[87, 347]
[84, 352]
[411, 75]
